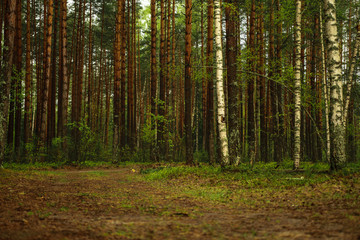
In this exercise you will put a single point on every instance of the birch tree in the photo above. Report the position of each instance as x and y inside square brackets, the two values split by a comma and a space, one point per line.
[220, 87]
[337, 127]
[297, 131]
[326, 92]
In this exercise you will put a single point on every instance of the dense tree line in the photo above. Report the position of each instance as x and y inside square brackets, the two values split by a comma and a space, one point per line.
[232, 81]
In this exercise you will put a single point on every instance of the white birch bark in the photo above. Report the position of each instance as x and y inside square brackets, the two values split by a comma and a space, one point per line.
[220, 86]
[337, 127]
[297, 137]
[326, 92]
[351, 75]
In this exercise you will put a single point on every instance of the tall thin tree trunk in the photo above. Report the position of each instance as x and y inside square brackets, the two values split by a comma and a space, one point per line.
[63, 73]
[278, 149]
[326, 92]
[210, 128]
[52, 82]
[262, 87]
[153, 68]
[135, 90]
[221, 120]
[270, 102]
[130, 85]
[297, 127]
[97, 115]
[18, 81]
[117, 75]
[44, 110]
[161, 105]
[188, 84]
[90, 75]
[27, 114]
[123, 76]
[250, 90]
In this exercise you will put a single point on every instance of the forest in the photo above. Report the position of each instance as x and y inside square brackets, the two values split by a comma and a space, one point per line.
[206, 102]
[254, 81]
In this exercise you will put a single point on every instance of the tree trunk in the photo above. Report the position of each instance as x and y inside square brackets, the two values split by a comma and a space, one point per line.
[123, 76]
[326, 92]
[297, 89]
[63, 74]
[209, 129]
[130, 85]
[9, 36]
[52, 82]
[117, 75]
[262, 86]
[44, 109]
[161, 104]
[188, 83]
[153, 70]
[90, 103]
[220, 88]
[232, 84]
[337, 127]
[135, 90]
[250, 90]
[27, 119]
[18, 81]
[350, 84]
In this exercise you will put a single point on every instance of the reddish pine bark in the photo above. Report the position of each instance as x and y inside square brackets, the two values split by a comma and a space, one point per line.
[27, 113]
[9, 36]
[63, 73]
[44, 109]
[117, 74]
[250, 89]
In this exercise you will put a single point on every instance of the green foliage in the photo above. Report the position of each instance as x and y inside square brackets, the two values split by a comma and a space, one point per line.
[89, 147]
[201, 157]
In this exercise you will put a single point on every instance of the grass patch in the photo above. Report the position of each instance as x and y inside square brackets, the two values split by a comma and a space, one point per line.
[169, 172]
[95, 174]
[33, 166]
[262, 175]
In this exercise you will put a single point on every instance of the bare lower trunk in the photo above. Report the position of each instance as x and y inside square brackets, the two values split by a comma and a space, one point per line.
[9, 37]
[220, 88]
[297, 130]
[326, 92]
[337, 127]
[188, 88]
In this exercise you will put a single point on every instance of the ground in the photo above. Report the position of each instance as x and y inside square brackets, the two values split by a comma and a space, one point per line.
[125, 203]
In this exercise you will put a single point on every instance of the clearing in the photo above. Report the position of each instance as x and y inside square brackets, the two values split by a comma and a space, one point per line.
[151, 202]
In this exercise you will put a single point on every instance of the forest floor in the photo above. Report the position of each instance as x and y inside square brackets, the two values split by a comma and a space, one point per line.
[137, 202]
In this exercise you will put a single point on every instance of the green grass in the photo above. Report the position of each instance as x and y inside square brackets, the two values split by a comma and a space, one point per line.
[33, 166]
[259, 176]
[262, 185]
[180, 171]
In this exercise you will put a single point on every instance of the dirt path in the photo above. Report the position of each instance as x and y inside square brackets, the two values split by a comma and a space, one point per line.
[120, 204]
